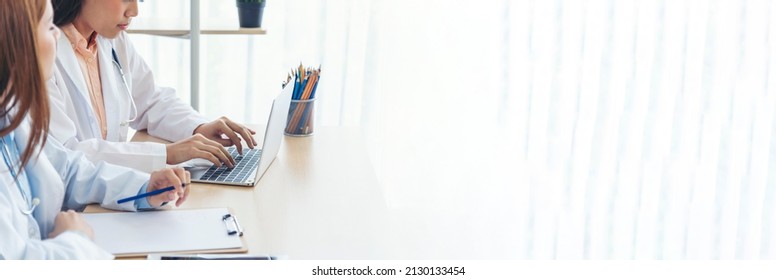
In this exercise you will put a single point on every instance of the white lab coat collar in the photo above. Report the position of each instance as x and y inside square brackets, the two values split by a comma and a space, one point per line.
[67, 60]
[113, 92]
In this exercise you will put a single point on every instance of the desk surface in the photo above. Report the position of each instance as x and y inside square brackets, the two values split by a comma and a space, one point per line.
[320, 199]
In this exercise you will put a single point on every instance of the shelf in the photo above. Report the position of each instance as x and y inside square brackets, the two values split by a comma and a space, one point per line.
[181, 28]
[177, 28]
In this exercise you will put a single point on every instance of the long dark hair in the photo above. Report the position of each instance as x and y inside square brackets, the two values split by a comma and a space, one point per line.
[65, 11]
[22, 89]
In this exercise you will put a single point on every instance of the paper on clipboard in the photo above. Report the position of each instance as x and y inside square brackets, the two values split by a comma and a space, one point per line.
[140, 233]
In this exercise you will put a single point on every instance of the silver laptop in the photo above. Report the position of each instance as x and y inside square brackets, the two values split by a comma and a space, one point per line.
[252, 164]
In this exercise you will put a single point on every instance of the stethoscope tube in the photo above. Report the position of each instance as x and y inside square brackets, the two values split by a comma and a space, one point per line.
[8, 159]
[133, 114]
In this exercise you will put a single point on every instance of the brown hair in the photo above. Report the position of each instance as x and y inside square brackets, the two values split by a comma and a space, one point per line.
[22, 89]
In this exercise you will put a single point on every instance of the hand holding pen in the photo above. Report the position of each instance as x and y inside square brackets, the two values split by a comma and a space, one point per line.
[164, 186]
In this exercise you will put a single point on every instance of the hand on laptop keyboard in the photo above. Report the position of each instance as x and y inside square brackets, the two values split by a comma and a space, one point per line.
[198, 146]
[245, 167]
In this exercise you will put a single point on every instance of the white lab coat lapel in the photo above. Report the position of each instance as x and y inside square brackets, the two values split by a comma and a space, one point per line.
[113, 94]
[72, 69]
[43, 184]
[75, 83]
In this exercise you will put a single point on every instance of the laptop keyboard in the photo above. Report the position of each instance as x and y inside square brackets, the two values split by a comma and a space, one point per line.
[244, 168]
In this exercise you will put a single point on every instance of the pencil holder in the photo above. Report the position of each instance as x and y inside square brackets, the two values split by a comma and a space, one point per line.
[300, 118]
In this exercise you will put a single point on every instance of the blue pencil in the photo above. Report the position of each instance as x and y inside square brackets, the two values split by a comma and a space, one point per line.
[315, 86]
[151, 193]
[297, 86]
[302, 87]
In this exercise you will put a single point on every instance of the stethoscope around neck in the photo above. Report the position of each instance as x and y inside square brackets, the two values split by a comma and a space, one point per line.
[133, 114]
[8, 159]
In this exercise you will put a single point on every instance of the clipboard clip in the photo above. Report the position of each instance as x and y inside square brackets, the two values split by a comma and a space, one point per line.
[232, 226]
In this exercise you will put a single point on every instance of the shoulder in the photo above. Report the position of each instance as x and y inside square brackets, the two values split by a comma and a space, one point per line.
[55, 86]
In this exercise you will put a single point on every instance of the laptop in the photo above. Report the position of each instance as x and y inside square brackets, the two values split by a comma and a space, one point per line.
[252, 164]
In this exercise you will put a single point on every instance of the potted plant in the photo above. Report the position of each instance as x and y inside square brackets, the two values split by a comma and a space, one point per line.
[250, 12]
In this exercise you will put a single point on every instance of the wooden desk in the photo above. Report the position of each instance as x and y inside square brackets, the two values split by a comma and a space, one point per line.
[320, 199]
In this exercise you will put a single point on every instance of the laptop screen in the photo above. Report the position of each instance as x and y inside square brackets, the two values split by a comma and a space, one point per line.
[273, 135]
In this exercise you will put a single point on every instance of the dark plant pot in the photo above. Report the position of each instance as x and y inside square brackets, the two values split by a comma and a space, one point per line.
[250, 14]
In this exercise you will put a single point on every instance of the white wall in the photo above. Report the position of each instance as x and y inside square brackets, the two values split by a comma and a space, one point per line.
[530, 129]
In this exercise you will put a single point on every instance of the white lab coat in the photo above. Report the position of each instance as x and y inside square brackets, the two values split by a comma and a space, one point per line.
[73, 120]
[62, 180]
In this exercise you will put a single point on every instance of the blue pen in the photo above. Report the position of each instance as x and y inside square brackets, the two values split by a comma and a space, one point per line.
[151, 193]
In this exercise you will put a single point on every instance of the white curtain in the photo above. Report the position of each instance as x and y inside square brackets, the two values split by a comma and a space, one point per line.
[529, 129]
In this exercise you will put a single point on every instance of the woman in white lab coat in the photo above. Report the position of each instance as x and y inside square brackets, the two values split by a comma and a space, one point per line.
[39, 178]
[103, 87]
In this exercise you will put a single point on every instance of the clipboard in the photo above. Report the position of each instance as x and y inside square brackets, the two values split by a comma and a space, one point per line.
[137, 234]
